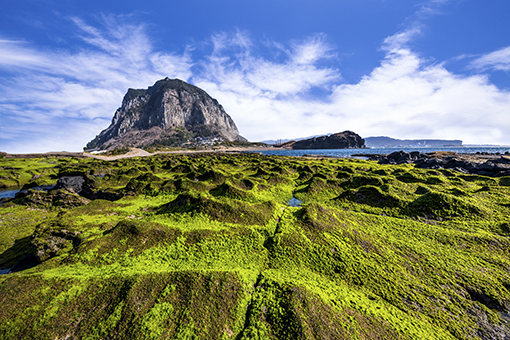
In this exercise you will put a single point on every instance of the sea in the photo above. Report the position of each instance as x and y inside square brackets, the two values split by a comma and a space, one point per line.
[346, 153]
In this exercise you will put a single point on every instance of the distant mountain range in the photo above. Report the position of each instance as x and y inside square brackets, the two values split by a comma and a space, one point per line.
[387, 142]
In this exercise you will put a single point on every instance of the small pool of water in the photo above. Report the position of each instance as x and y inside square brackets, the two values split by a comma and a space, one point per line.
[11, 192]
[294, 202]
[8, 193]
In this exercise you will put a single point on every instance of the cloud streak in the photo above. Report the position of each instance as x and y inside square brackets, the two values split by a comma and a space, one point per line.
[497, 60]
[47, 90]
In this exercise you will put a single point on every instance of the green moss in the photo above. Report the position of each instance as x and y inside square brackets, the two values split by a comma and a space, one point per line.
[205, 246]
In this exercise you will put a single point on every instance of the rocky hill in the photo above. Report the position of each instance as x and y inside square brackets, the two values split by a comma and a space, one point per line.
[341, 140]
[171, 112]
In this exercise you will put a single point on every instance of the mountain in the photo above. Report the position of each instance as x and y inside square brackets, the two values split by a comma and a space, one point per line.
[388, 142]
[341, 140]
[171, 112]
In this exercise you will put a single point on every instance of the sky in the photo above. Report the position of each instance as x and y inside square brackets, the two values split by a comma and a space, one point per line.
[434, 69]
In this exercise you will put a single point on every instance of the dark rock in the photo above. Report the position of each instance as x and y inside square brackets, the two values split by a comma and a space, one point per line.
[484, 173]
[77, 184]
[437, 160]
[487, 167]
[341, 140]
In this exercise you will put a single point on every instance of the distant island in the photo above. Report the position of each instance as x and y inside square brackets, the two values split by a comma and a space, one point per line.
[341, 140]
[388, 142]
[383, 142]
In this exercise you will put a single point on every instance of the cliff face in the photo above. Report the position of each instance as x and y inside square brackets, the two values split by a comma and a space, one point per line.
[169, 108]
[341, 140]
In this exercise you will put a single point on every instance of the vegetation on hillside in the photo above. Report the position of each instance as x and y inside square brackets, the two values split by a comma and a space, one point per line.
[206, 246]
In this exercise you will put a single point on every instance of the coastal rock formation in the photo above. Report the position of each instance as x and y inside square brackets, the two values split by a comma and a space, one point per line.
[341, 140]
[171, 112]
[485, 165]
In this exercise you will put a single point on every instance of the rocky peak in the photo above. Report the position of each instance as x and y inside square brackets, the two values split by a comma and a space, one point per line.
[170, 111]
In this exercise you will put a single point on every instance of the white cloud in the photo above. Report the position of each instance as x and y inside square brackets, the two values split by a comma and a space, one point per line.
[267, 98]
[405, 97]
[52, 89]
[497, 60]
[54, 100]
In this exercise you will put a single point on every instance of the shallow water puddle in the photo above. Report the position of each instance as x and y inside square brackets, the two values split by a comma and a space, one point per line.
[294, 202]
[8, 193]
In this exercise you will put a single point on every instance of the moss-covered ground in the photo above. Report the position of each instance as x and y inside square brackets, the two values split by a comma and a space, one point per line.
[207, 247]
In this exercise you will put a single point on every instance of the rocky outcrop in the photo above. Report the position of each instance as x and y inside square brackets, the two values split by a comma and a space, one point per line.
[341, 140]
[485, 165]
[169, 112]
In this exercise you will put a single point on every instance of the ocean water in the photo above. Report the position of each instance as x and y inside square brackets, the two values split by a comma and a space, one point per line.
[350, 152]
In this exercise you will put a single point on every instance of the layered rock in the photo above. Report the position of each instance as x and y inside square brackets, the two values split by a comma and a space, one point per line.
[341, 140]
[169, 112]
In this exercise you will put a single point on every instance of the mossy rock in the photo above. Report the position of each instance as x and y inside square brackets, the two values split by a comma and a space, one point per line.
[146, 181]
[317, 218]
[133, 172]
[504, 181]
[54, 239]
[231, 191]
[321, 188]
[185, 184]
[422, 190]
[224, 210]
[357, 181]
[216, 177]
[343, 175]
[304, 176]
[117, 180]
[372, 196]
[216, 258]
[440, 204]
[410, 177]
[54, 199]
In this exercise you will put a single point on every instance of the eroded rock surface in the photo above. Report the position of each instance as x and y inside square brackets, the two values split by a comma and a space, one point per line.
[169, 111]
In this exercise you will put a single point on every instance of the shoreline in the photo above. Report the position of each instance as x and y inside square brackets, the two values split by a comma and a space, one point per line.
[134, 152]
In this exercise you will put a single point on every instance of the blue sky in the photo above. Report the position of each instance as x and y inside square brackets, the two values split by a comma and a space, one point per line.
[281, 69]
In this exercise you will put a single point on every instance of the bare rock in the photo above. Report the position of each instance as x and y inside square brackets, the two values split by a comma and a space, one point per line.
[171, 109]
